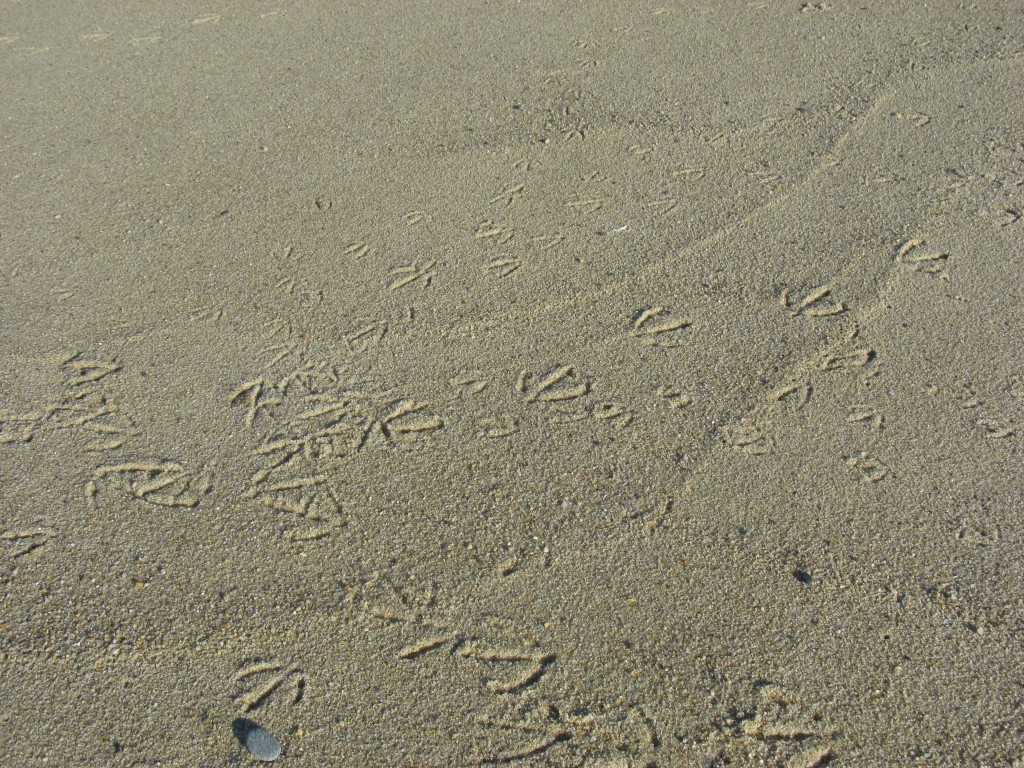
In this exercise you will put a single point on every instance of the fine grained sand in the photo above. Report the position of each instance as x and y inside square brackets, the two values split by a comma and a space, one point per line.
[460, 384]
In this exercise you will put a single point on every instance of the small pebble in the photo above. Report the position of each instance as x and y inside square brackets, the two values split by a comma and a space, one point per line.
[259, 741]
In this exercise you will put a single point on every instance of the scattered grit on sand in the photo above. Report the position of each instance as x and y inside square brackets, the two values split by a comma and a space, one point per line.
[604, 384]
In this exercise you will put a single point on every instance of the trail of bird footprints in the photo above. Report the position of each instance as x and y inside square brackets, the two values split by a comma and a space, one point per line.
[505, 250]
[526, 721]
[314, 416]
[984, 418]
[522, 723]
[536, 727]
[751, 434]
[90, 415]
[86, 410]
[157, 482]
[83, 409]
[310, 418]
[519, 664]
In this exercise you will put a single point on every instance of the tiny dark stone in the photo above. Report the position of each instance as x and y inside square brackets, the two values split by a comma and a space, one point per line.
[260, 742]
[802, 576]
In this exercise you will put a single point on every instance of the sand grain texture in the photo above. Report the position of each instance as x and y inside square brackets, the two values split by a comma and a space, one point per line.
[527, 384]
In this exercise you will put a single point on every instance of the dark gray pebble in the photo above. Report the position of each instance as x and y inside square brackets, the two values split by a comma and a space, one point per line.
[259, 741]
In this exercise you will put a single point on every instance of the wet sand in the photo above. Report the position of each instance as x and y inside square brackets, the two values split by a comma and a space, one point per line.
[529, 384]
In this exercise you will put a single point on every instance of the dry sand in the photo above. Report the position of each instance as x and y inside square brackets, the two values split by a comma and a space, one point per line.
[512, 383]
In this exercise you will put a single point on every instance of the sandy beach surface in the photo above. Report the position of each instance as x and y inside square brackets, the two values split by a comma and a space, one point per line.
[461, 384]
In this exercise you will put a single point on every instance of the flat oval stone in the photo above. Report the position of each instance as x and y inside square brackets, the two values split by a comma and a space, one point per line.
[262, 744]
[259, 741]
